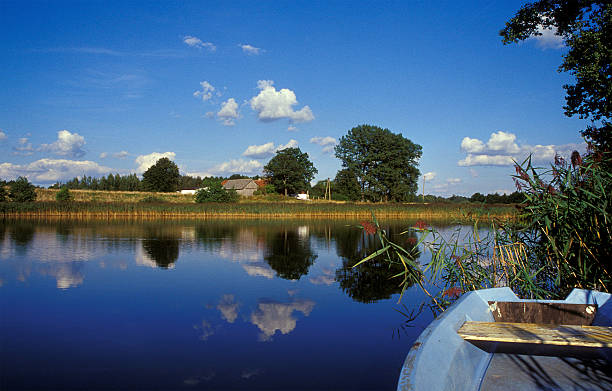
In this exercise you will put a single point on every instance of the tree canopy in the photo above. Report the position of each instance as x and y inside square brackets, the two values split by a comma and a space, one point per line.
[163, 176]
[586, 28]
[384, 163]
[21, 190]
[290, 171]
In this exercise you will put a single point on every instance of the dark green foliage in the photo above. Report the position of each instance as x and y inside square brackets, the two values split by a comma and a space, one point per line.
[3, 192]
[189, 182]
[586, 27]
[290, 171]
[63, 195]
[21, 190]
[216, 193]
[238, 176]
[572, 220]
[163, 176]
[347, 185]
[384, 163]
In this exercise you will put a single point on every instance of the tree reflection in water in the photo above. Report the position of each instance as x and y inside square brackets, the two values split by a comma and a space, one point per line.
[370, 281]
[289, 254]
[162, 247]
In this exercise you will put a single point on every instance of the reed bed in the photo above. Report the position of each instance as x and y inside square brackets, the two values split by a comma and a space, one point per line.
[325, 210]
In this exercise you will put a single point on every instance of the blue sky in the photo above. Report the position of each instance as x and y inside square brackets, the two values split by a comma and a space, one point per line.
[93, 87]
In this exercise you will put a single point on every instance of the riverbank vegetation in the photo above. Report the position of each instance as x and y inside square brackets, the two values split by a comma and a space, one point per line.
[170, 205]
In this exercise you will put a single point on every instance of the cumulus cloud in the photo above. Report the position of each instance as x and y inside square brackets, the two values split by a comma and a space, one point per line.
[46, 171]
[229, 112]
[120, 154]
[271, 104]
[146, 161]
[547, 38]
[2, 136]
[328, 143]
[23, 147]
[206, 330]
[252, 50]
[428, 176]
[196, 42]
[206, 92]
[237, 166]
[292, 128]
[103, 155]
[502, 150]
[67, 144]
[267, 150]
[273, 316]
[228, 308]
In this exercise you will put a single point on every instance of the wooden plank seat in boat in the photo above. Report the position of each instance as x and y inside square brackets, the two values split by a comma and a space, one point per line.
[539, 334]
[551, 329]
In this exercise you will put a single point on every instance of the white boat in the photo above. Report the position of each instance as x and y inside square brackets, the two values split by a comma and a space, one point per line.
[492, 340]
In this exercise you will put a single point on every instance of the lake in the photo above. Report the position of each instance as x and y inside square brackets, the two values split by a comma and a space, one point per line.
[189, 305]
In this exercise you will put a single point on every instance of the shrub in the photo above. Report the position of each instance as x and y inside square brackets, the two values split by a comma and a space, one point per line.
[21, 190]
[216, 193]
[64, 195]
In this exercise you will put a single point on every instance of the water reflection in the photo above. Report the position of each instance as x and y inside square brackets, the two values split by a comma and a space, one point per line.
[290, 254]
[370, 281]
[242, 296]
[271, 250]
[272, 316]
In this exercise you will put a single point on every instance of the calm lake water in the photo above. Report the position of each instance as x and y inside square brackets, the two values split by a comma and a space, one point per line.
[200, 305]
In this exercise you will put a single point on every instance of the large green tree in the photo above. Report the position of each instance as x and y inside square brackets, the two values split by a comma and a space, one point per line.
[384, 163]
[163, 176]
[586, 28]
[347, 185]
[21, 190]
[290, 171]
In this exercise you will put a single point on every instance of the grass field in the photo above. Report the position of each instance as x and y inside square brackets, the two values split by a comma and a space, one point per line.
[106, 204]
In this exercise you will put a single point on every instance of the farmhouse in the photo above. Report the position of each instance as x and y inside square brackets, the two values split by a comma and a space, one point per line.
[244, 187]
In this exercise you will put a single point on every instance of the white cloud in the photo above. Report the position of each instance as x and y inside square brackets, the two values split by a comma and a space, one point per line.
[272, 316]
[327, 143]
[271, 104]
[260, 151]
[207, 91]
[472, 145]
[120, 155]
[502, 150]
[252, 50]
[67, 144]
[486, 160]
[196, 42]
[103, 155]
[267, 150]
[473, 173]
[428, 176]
[292, 128]
[548, 38]
[229, 112]
[146, 161]
[228, 308]
[453, 181]
[2, 136]
[23, 147]
[237, 166]
[52, 170]
[291, 144]
[206, 329]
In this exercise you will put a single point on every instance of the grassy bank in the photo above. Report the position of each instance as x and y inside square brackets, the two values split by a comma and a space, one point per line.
[253, 209]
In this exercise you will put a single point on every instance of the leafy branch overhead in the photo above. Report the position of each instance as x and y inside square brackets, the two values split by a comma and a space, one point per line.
[586, 28]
